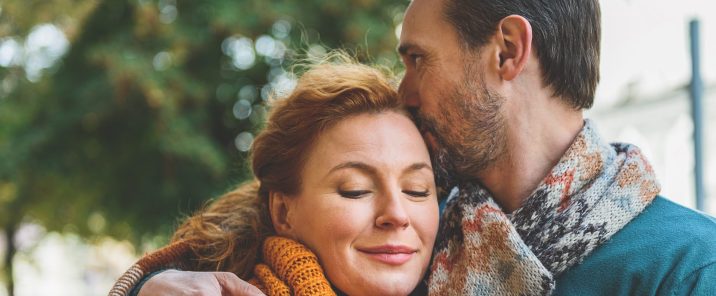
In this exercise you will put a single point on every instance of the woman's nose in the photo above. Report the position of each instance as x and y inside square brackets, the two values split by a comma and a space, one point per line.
[392, 213]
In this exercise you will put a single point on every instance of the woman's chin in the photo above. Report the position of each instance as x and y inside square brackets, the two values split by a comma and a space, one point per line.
[386, 290]
[368, 275]
[382, 284]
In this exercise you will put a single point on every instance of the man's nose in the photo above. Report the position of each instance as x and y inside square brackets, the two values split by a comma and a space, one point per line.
[408, 91]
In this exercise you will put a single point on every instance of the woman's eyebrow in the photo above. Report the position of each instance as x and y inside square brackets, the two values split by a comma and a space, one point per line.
[417, 166]
[355, 165]
[371, 170]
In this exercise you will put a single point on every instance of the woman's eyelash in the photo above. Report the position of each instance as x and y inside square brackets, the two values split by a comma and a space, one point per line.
[425, 193]
[353, 193]
[361, 193]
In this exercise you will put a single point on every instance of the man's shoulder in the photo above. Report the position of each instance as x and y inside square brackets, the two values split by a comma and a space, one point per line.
[673, 220]
[667, 230]
[656, 252]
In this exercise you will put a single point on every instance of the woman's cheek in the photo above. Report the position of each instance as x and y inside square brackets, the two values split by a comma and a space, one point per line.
[425, 220]
[344, 221]
[336, 223]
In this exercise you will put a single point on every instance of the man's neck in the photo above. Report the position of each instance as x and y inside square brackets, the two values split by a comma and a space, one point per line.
[537, 139]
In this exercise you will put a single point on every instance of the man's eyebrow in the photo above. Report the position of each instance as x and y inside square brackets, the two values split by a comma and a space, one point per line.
[404, 47]
[355, 165]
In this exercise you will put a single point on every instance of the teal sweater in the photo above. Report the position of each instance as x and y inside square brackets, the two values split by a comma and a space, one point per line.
[666, 250]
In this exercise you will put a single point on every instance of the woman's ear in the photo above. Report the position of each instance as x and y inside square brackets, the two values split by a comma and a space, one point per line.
[279, 209]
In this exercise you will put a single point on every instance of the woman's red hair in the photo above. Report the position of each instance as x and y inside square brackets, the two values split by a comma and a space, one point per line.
[227, 235]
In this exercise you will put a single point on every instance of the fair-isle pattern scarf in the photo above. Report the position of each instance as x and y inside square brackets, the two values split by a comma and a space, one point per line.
[593, 192]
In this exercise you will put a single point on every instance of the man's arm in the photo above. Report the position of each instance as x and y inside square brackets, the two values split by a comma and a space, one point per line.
[700, 282]
[175, 282]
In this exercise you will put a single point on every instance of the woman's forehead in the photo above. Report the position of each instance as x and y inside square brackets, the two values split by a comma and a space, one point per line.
[376, 140]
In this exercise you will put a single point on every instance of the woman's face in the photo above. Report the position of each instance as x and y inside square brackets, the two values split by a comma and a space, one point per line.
[368, 207]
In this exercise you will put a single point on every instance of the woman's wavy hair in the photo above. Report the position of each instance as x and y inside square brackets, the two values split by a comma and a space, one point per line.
[227, 235]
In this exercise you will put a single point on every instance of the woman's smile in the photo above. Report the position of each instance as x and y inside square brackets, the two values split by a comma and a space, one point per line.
[389, 254]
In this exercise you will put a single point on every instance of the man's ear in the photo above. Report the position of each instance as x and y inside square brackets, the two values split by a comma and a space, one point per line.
[514, 37]
[279, 208]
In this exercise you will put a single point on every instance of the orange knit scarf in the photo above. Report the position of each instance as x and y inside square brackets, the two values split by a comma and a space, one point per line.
[289, 268]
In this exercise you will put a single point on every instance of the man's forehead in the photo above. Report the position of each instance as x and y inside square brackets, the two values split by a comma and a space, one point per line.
[426, 8]
[423, 20]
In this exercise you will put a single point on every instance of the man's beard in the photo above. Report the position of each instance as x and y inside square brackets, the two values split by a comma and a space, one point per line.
[469, 133]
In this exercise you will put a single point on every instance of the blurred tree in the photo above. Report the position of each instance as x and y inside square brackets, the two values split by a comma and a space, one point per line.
[151, 110]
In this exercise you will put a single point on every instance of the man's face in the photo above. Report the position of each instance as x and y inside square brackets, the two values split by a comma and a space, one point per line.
[445, 86]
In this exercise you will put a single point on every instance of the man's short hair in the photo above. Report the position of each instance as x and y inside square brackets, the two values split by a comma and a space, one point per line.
[566, 35]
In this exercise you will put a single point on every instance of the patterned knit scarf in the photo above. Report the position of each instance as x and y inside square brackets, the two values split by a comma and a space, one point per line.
[593, 192]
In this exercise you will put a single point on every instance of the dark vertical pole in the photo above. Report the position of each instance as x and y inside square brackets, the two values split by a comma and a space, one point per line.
[9, 256]
[697, 93]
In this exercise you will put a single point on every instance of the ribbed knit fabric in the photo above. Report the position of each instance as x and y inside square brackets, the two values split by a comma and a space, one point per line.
[171, 256]
[288, 268]
[594, 191]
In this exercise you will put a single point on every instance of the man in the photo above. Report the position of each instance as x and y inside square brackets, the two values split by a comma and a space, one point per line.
[544, 205]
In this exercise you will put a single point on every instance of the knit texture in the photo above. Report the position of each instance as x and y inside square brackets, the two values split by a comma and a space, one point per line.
[172, 256]
[594, 191]
[288, 268]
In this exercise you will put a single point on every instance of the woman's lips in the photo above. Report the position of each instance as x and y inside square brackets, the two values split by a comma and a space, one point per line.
[390, 254]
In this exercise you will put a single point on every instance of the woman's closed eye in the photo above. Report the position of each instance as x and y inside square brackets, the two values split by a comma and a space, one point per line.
[417, 193]
[353, 193]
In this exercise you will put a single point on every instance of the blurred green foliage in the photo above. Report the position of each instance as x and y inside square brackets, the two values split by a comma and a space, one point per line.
[137, 123]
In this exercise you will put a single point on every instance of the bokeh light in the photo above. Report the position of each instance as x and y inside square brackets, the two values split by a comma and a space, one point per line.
[281, 29]
[162, 61]
[241, 51]
[168, 11]
[10, 52]
[243, 141]
[248, 93]
[44, 46]
[242, 109]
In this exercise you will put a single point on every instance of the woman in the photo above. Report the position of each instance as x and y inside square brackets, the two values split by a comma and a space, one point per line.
[343, 173]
